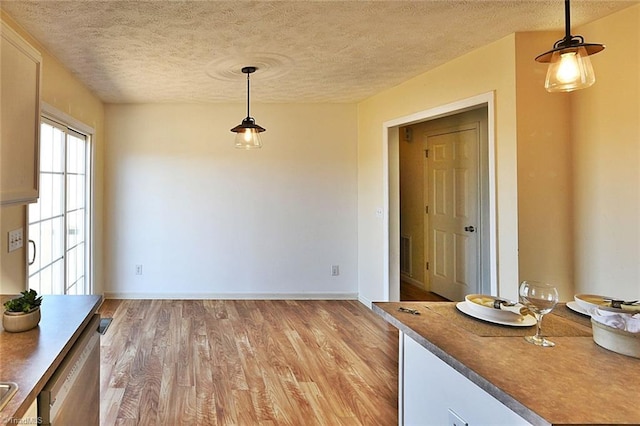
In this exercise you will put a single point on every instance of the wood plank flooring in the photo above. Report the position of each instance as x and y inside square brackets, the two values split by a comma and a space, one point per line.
[410, 292]
[222, 362]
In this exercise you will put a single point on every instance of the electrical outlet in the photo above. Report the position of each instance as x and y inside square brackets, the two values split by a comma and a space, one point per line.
[335, 270]
[15, 239]
[138, 269]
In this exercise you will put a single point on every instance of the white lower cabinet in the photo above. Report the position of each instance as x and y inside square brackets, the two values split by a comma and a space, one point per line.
[433, 393]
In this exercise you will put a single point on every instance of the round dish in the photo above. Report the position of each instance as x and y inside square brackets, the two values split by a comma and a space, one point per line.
[576, 308]
[526, 321]
[483, 304]
[589, 302]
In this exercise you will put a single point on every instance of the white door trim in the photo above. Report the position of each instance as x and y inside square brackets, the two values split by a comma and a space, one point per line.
[391, 191]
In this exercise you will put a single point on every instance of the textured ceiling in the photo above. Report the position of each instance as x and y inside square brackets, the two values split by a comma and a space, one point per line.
[306, 51]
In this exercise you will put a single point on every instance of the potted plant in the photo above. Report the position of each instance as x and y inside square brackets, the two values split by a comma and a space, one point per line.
[22, 313]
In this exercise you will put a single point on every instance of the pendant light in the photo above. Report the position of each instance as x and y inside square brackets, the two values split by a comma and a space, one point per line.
[248, 132]
[569, 64]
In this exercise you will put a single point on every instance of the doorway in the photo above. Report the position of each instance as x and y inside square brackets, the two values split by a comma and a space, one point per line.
[486, 229]
[60, 222]
[442, 185]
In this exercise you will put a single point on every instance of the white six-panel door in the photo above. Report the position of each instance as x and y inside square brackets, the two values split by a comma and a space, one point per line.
[452, 217]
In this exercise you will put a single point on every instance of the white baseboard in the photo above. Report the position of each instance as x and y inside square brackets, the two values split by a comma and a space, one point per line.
[233, 296]
[410, 280]
[366, 302]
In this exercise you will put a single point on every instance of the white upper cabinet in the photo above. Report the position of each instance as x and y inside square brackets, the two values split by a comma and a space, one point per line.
[19, 118]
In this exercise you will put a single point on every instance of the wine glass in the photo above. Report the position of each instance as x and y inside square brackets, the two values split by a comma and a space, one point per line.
[540, 298]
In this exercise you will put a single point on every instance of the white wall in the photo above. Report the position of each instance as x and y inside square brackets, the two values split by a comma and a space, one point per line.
[207, 220]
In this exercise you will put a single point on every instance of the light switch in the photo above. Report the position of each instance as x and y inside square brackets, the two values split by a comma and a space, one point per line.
[16, 240]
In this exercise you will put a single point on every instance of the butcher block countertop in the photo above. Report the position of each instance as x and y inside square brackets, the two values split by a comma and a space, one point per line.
[575, 382]
[30, 358]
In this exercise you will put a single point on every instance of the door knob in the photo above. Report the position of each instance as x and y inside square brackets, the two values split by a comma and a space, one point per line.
[470, 229]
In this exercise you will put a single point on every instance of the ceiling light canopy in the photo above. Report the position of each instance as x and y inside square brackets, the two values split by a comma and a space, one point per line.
[569, 64]
[248, 132]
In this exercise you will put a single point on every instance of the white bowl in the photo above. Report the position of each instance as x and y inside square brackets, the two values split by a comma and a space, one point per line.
[619, 341]
[483, 305]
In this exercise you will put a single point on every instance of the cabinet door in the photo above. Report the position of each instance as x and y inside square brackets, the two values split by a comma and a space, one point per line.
[434, 393]
[19, 118]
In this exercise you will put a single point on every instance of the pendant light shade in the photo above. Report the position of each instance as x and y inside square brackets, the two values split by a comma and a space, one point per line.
[569, 64]
[248, 132]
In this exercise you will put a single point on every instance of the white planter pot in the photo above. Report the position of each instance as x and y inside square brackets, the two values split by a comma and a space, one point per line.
[16, 322]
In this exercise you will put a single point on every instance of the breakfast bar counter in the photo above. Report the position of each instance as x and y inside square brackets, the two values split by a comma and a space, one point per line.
[457, 368]
[31, 357]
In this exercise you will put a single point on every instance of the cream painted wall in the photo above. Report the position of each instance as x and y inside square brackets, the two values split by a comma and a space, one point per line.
[491, 68]
[545, 201]
[603, 196]
[63, 91]
[606, 146]
[207, 220]
[577, 159]
[13, 270]
[411, 160]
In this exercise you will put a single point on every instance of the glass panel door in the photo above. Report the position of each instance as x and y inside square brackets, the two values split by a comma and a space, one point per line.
[76, 214]
[58, 221]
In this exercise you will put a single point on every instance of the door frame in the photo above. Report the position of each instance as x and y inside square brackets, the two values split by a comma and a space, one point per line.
[52, 113]
[391, 189]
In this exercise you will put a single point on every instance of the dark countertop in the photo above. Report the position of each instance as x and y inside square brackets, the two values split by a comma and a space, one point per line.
[30, 358]
[575, 382]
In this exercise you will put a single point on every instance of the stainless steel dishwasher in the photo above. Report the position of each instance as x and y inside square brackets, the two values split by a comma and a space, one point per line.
[72, 395]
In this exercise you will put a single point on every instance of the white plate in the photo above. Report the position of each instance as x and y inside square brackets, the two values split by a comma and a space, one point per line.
[526, 321]
[489, 311]
[573, 305]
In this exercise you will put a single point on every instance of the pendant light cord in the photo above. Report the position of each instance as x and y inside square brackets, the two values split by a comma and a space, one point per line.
[248, 91]
[568, 40]
[567, 20]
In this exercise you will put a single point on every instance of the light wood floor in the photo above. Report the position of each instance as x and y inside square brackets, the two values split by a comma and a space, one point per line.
[215, 362]
[410, 292]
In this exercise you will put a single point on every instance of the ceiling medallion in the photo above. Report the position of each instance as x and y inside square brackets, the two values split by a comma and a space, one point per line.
[271, 66]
